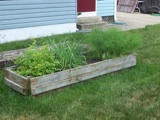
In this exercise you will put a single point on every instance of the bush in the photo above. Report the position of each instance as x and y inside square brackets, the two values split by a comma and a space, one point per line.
[69, 54]
[111, 43]
[37, 61]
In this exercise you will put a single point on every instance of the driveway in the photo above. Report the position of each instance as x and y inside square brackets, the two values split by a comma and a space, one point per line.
[136, 20]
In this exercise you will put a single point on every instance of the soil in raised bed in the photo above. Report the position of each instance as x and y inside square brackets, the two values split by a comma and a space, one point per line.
[4, 64]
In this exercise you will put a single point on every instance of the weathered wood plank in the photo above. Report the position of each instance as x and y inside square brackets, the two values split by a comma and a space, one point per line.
[53, 86]
[75, 75]
[15, 86]
[39, 81]
[11, 55]
[45, 83]
[80, 78]
[16, 78]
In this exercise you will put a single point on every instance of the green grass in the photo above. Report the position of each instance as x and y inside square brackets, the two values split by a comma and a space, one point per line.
[40, 41]
[131, 94]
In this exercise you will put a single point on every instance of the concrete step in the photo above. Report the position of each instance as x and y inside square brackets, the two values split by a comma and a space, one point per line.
[89, 26]
[85, 20]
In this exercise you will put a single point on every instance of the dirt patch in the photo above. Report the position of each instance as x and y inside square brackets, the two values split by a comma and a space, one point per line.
[5, 63]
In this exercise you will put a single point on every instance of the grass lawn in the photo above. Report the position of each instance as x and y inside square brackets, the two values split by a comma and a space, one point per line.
[131, 94]
[40, 41]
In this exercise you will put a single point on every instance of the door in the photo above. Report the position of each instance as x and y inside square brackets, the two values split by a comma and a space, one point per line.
[86, 5]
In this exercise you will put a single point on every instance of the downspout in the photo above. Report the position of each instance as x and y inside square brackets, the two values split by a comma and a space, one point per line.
[115, 10]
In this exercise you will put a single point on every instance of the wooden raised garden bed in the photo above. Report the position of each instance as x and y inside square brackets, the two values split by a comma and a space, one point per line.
[37, 85]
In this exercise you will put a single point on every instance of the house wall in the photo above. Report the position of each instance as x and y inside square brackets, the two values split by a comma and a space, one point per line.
[106, 7]
[21, 19]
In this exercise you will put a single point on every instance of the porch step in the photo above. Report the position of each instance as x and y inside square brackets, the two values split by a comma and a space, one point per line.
[85, 20]
[88, 23]
[88, 26]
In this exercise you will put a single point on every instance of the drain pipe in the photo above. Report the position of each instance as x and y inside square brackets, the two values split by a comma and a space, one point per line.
[115, 10]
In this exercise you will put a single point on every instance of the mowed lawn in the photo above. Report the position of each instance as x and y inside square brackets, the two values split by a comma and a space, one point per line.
[130, 94]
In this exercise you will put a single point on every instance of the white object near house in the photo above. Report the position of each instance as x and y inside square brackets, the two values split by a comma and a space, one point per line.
[24, 19]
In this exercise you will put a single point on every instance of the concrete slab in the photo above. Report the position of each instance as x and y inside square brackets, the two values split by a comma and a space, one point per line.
[136, 20]
[132, 20]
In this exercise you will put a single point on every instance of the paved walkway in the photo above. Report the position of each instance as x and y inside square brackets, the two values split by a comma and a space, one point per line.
[136, 20]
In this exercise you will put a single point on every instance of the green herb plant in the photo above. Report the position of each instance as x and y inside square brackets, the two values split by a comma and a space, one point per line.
[37, 61]
[111, 43]
[69, 54]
